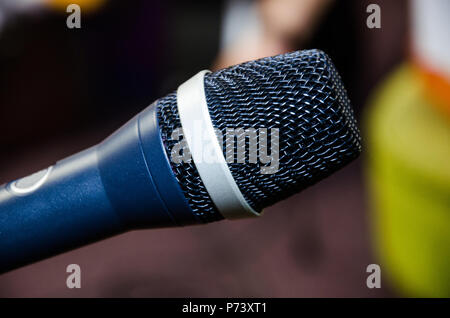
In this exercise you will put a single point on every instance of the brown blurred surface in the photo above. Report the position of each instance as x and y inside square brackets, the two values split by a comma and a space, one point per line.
[313, 244]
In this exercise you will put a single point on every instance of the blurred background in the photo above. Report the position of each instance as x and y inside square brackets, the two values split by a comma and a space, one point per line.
[62, 90]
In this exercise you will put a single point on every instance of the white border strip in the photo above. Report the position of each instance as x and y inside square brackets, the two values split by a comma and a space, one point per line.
[215, 174]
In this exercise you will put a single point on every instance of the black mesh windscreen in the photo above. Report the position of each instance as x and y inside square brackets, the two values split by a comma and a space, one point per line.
[300, 95]
[186, 173]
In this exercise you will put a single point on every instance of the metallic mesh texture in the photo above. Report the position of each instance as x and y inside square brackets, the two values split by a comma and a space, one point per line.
[186, 173]
[298, 93]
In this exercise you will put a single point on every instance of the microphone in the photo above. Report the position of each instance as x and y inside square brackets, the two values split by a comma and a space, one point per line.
[225, 145]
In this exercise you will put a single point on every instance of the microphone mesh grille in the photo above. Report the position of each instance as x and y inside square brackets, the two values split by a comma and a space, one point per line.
[302, 95]
[186, 173]
[298, 93]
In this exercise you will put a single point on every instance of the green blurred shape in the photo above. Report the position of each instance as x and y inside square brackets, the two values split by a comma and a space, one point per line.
[409, 174]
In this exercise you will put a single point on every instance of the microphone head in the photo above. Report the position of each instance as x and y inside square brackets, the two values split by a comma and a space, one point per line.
[298, 94]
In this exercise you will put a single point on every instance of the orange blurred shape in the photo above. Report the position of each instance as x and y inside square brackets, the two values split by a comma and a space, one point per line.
[437, 87]
[85, 5]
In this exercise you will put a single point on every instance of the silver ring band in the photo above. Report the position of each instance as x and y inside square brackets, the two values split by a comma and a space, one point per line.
[211, 165]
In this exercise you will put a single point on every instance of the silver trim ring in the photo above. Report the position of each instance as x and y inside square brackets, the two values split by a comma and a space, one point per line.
[214, 171]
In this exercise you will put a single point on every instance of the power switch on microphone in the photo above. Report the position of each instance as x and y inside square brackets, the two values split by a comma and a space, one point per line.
[30, 183]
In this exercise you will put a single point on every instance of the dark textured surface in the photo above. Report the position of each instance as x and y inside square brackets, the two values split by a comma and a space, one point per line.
[298, 93]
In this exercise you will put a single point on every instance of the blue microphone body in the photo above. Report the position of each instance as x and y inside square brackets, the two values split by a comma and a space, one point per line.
[123, 183]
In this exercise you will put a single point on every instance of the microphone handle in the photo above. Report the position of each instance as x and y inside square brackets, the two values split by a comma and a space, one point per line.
[123, 183]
